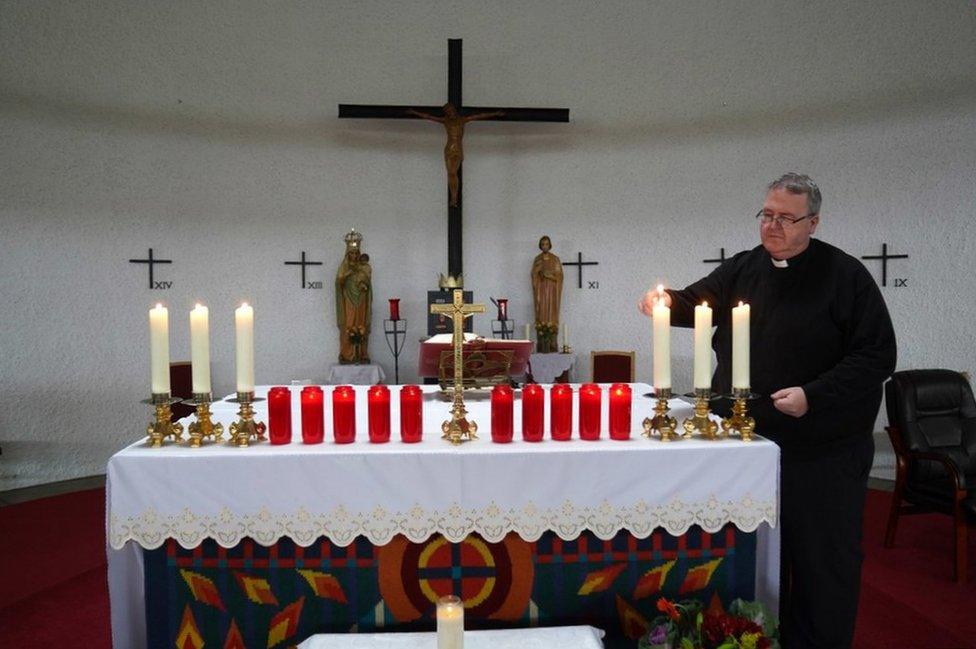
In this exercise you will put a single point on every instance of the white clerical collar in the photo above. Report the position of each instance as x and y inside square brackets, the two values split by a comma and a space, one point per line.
[780, 263]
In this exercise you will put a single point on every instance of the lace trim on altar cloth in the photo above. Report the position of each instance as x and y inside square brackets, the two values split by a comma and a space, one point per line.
[341, 526]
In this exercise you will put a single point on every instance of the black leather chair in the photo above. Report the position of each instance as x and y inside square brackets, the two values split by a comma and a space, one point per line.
[932, 417]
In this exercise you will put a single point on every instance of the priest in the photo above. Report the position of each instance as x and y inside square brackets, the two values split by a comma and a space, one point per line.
[822, 346]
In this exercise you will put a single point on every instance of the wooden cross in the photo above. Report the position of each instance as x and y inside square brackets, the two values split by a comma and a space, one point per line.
[579, 263]
[884, 257]
[364, 111]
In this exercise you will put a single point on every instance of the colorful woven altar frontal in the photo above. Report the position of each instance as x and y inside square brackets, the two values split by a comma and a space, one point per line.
[255, 596]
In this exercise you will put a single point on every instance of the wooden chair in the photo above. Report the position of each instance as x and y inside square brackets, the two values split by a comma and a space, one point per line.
[612, 367]
[932, 418]
[181, 385]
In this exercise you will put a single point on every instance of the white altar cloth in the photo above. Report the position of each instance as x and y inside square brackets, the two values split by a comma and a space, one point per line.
[380, 490]
[556, 637]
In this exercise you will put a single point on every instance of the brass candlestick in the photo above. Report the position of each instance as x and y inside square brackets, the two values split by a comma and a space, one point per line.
[203, 427]
[458, 428]
[661, 423]
[245, 429]
[162, 427]
[740, 421]
[700, 421]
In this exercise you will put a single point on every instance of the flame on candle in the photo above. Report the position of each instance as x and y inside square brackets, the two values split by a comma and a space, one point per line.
[243, 304]
[660, 289]
[740, 303]
[198, 306]
[159, 305]
[704, 303]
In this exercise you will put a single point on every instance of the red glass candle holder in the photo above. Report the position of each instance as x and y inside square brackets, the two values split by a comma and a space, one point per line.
[378, 403]
[344, 414]
[532, 412]
[279, 415]
[502, 414]
[502, 308]
[394, 308]
[411, 414]
[561, 412]
[313, 419]
[589, 411]
[620, 410]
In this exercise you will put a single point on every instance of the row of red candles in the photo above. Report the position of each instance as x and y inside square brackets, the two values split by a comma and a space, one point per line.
[411, 413]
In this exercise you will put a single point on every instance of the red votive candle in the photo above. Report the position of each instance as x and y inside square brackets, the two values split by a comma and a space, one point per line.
[313, 420]
[502, 417]
[589, 413]
[378, 402]
[411, 414]
[279, 415]
[620, 402]
[344, 414]
[394, 308]
[561, 412]
[532, 412]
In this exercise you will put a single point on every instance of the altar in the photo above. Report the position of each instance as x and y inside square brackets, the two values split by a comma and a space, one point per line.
[280, 542]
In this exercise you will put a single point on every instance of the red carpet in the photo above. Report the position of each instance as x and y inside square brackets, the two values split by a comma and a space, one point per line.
[53, 590]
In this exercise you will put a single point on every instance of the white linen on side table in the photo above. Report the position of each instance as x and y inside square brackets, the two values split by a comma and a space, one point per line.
[340, 374]
[557, 637]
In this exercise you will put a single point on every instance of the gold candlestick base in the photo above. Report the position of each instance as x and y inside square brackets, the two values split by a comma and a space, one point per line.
[661, 423]
[203, 427]
[162, 427]
[700, 421]
[245, 429]
[458, 429]
[740, 421]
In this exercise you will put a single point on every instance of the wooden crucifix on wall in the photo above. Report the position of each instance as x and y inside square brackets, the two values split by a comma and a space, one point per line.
[454, 115]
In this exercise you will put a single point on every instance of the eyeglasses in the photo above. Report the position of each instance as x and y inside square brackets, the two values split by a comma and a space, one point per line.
[782, 221]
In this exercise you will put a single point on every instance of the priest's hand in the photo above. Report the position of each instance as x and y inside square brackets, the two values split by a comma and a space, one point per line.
[791, 401]
[646, 304]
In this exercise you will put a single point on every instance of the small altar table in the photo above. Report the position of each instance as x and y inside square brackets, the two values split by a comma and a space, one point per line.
[557, 637]
[335, 494]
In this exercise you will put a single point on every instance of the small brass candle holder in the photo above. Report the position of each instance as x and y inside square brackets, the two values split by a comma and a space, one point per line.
[661, 423]
[700, 421]
[740, 421]
[162, 427]
[245, 429]
[203, 427]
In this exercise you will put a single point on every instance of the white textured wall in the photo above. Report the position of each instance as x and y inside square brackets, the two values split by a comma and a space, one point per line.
[208, 131]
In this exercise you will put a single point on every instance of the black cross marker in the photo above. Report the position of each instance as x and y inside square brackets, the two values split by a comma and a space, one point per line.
[151, 262]
[884, 257]
[721, 259]
[579, 263]
[303, 264]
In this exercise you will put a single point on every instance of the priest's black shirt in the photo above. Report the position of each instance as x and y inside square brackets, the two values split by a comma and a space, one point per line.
[820, 323]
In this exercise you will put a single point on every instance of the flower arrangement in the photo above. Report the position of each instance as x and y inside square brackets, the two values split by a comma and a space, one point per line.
[546, 333]
[687, 625]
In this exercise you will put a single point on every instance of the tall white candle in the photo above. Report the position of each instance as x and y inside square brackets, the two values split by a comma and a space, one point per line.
[703, 348]
[740, 346]
[528, 332]
[450, 623]
[662, 343]
[244, 321]
[565, 334]
[159, 349]
[200, 348]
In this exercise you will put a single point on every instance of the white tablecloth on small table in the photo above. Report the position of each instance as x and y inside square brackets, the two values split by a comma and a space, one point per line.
[556, 637]
[545, 368]
[340, 374]
[378, 491]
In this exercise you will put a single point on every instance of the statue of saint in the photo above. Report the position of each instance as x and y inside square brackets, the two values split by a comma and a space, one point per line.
[547, 290]
[354, 298]
[453, 150]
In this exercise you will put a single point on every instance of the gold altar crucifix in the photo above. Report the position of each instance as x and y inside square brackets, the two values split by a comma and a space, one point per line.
[458, 426]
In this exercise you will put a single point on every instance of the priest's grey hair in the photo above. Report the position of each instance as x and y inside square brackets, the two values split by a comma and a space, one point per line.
[796, 183]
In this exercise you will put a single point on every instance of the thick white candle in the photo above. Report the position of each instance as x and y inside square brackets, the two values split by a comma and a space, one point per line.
[200, 348]
[703, 348]
[450, 623]
[740, 346]
[528, 332]
[662, 343]
[159, 349]
[244, 321]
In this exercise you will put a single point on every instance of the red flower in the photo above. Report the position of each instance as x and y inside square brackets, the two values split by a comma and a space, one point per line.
[716, 628]
[665, 606]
